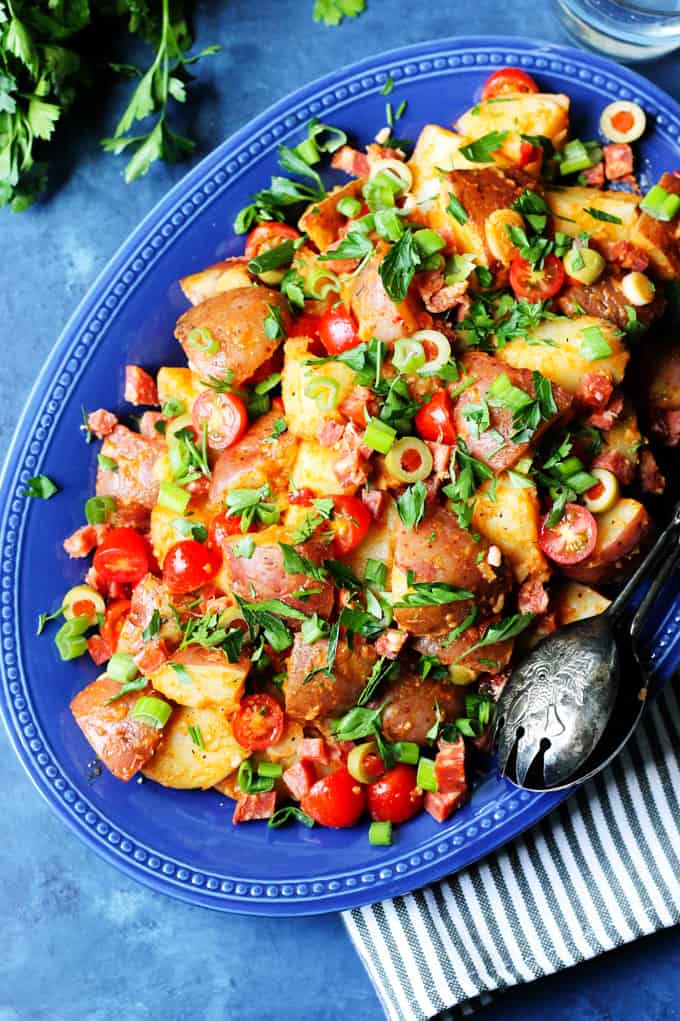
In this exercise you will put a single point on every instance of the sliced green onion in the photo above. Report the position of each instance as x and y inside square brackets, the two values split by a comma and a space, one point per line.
[122, 667]
[379, 436]
[407, 751]
[314, 286]
[437, 340]
[459, 268]
[349, 206]
[380, 190]
[271, 770]
[595, 344]
[408, 354]
[178, 457]
[325, 391]
[172, 408]
[428, 241]
[69, 638]
[265, 385]
[660, 204]
[581, 481]
[41, 487]
[311, 630]
[203, 340]
[575, 157]
[502, 393]
[308, 152]
[380, 834]
[409, 445]
[388, 224]
[98, 508]
[155, 712]
[173, 497]
[426, 778]
[248, 783]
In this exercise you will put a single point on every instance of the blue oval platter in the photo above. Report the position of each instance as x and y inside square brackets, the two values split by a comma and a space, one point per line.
[181, 842]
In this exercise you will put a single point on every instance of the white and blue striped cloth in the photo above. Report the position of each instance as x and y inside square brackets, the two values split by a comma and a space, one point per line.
[601, 871]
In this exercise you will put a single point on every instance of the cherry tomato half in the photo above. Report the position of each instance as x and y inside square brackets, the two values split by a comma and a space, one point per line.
[572, 539]
[306, 325]
[259, 722]
[351, 521]
[189, 564]
[114, 618]
[395, 797]
[301, 497]
[338, 330]
[528, 153]
[508, 81]
[268, 235]
[337, 800]
[222, 526]
[536, 284]
[434, 421]
[122, 556]
[225, 415]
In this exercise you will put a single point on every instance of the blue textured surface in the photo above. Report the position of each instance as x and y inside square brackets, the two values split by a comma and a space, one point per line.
[56, 914]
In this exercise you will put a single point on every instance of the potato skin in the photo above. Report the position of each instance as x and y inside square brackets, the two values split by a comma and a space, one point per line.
[621, 531]
[180, 763]
[439, 550]
[376, 314]
[215, 681]
[321, 221]
[478, 660]
[511, 523]
[252, 462]
[123, 744]
[235, 319]
[412, 710]
[606, 300]
[323, 695]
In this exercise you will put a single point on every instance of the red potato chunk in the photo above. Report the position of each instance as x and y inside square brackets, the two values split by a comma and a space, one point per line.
[235, 322]
[323, 695]
[123, 744]
[254, 461]
[376, 314]
[620, 532]
[412, 710]
[485, 369]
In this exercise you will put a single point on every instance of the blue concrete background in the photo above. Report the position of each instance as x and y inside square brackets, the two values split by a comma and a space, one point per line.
[79, 941]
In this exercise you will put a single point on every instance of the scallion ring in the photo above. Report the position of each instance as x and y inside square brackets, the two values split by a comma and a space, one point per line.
[379, 436]
[203, 340]
[433, 338]
[325, 391]
[98, 508]
[408, 355]
[321, 282]
[409, 450]
[151, 710]
[394, 168]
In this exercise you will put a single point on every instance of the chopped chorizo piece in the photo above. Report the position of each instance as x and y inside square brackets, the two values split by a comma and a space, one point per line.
[148, 423]
[82, 542]
[321, 696]
[390, 643]
[359, 402]
[375, 500]
[618, 160]
[439, 550]
[152, 656]
[532, 597]
[494, 445]
[126, 471]
[98, 649]
[259, 457]
[651, 479]
[440, 806]
[351, 468]
[330, 432]
[616, 462]
[412, 709]
[313, 749]
[665, 425]
[262, 576]
[299, 778]
[226, 334]
[437, 296]
[594, 391]
[607, 416]
[449, 768]
[101, 423]
[122, 743]
[350, 161]
[254, 806]
[624, 254]
[606, 300]
[594, 176]
[140, 387]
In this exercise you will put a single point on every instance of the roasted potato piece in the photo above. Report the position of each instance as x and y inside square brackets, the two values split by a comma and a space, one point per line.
[314, 470]
[216, 279]
[573, 601]
[375, 312]
[570, 207]
[321, 222]
[235, 324]
[212, 679]
[412, 709]
[179, 762]
[560, 358]
[535, 113]
[133, 482]
[303, 414]
[378, 544]
[123, 744]
[258, 458]
[164, 535]
[606, 300]
[511, 523]
[620, 531]
[323, 695]
[435, 151]
[661, 241]
[179, 384]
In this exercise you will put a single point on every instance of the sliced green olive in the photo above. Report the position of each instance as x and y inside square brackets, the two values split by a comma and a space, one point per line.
[356, 762]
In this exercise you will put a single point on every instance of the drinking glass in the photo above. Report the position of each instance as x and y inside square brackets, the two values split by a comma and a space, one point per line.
[629, 30]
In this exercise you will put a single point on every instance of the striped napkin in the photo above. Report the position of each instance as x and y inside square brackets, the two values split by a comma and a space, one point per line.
[601, 871]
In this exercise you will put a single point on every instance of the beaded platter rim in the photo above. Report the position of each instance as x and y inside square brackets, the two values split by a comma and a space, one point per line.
[457, 843]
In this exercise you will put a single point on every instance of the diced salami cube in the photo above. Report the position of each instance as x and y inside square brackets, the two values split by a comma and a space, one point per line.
[98, 649]
[82, 542]
[440, 806]
[148, 423]
[594, 176]
[449, 767]
[299, 778]
[618, 160]
[101, 423]
[313, 749]
[254, 806]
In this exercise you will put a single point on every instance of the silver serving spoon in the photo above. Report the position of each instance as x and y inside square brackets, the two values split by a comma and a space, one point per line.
[572, 703]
